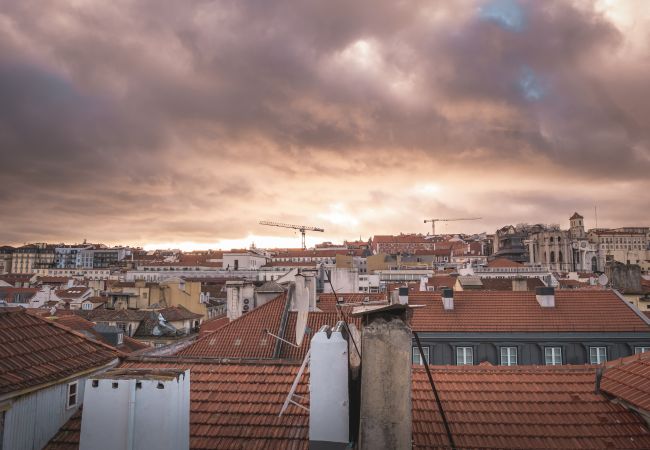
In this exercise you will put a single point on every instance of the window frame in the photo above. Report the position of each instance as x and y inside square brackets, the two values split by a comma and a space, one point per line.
[415, 353]
[508, 355]
[596, 348]
[553, 356]
[643, 348]
[70, 395]
[465, 353]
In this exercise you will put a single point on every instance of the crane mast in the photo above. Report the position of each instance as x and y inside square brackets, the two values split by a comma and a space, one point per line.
[433, 222]
[301, 228]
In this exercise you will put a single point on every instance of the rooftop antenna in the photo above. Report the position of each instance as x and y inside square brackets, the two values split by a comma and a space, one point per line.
[596, 214]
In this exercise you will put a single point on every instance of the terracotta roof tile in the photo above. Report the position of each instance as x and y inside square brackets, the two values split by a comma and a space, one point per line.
[629, 379]
[212, 325]
[246, 337]
[232, 406]
[504, 262]
[575, 310]
[516, 407]
[176, 313]
[236, 405]
[36, 351]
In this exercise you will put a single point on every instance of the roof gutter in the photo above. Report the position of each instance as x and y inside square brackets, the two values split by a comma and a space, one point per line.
[283, 322]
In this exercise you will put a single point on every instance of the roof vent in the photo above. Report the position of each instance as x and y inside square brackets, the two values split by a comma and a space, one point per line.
[448, 299]
[545, 297]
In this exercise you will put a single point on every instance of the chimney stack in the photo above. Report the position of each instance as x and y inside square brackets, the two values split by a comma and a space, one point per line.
[448, 299]
[137, 409]
[329, 406]
[403, 295]
[545, 297]
[385, 415]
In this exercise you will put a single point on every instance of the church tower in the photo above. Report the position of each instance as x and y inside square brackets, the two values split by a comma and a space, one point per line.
[577, 229]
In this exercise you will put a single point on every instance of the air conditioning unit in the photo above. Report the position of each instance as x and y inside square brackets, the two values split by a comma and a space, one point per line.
[246, 301]
[245, 308]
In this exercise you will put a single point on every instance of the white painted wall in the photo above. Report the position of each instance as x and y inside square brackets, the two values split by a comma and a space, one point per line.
[136, 418]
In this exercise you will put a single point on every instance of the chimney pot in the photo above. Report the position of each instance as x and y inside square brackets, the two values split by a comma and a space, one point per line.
[404, 295]
[448, 299]
[545, 296]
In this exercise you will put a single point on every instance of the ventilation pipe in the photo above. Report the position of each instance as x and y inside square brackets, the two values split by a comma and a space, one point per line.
[403, 295]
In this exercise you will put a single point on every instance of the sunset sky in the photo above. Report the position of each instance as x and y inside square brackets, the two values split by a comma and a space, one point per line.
[184, 123]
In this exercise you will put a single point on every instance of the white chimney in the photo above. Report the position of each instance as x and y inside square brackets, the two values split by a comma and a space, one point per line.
[137, 409]
[329, 408]
[305, 286]
[545, 297]
[403, 295]
[423, 284]
[448, 299]
[240, 296]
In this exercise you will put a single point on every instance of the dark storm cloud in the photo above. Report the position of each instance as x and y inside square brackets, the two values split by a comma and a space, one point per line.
[145, 114]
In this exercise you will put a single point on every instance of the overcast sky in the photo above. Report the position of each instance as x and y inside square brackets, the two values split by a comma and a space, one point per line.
[167, 123]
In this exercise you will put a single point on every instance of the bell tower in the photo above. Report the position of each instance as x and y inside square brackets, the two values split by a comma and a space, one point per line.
[577, 229]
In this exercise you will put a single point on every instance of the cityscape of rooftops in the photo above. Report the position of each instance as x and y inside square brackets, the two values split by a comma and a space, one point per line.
[324, 224]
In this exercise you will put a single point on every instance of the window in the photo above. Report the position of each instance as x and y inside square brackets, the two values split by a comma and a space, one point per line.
[638, 350]
[416, 355]
[553, 356]
[508, 356]
[597, 355]
[464, 356]
[120, 338]
[72, 394]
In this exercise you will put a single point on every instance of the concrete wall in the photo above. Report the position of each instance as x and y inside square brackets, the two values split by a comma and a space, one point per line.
[385, 386]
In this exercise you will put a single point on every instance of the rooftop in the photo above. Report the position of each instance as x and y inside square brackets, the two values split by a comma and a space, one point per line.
[36, 351]
[236, 405]
[511, 311]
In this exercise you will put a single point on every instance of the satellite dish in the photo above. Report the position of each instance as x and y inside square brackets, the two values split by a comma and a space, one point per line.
[301, 294]
[603, 280]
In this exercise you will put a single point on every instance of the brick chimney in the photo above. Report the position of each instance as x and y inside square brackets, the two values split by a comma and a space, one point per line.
[545, 297]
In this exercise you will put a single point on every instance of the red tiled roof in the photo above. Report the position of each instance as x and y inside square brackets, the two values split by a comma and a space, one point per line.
[505, 284]
[232, 406]
[36, 351]
[73, 292]
[507, 311]
[236, 405]
[504, 262]
[176, 313]
[84, 326]
[212, 325]
[440, 281]
[401, 239]
[246, 337]
[327, 302]
[290, 264]
[520, 407]
[629, 379]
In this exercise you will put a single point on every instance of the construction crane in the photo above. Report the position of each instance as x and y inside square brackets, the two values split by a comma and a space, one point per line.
[433, 222]
[301, 228]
